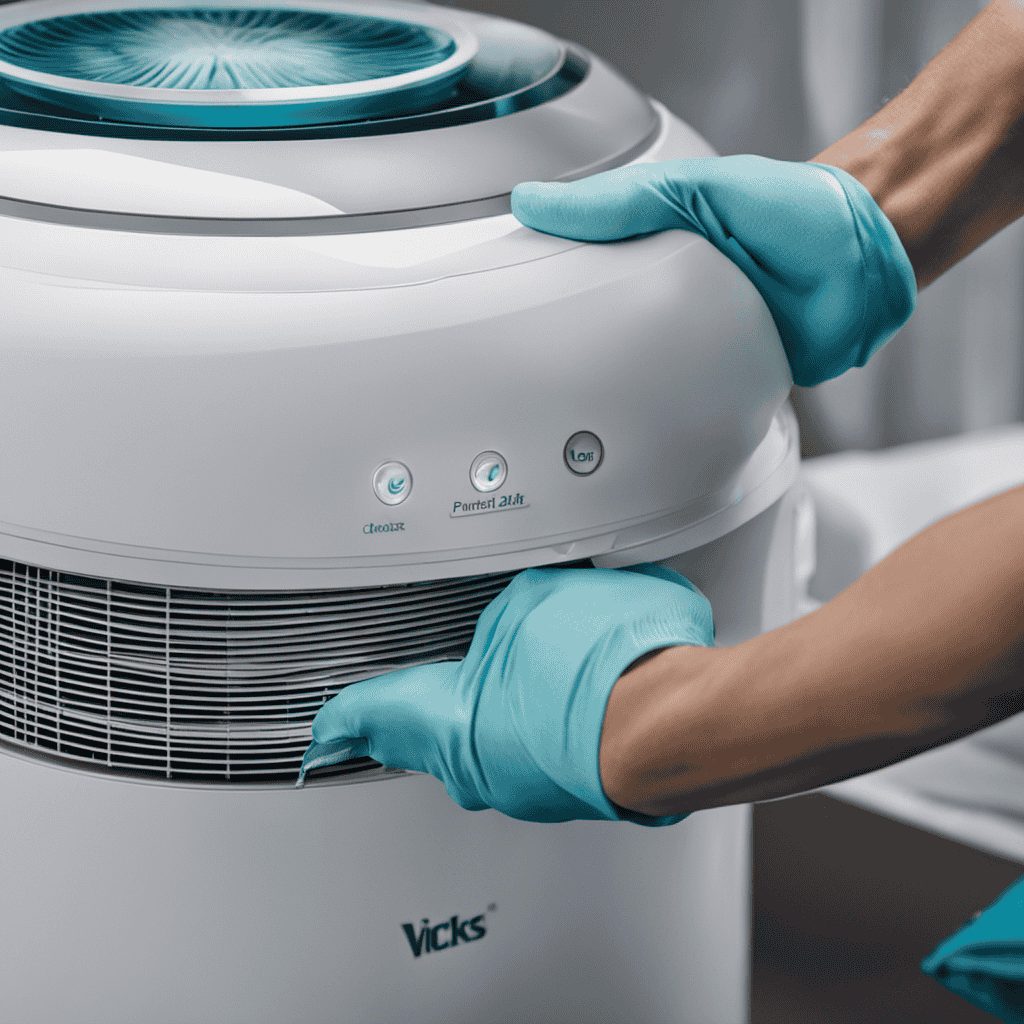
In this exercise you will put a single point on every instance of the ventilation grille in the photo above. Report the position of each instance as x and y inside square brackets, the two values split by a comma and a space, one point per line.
[223, 48]
[205, 686]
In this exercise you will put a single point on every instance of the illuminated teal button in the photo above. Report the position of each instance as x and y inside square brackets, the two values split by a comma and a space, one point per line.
[392, 483]
[584, 453]
[488, 471]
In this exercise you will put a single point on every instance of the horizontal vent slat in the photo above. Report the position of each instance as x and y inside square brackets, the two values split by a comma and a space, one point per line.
[205, 686]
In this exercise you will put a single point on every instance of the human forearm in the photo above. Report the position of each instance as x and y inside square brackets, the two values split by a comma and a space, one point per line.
[911, 655]
[945, 159]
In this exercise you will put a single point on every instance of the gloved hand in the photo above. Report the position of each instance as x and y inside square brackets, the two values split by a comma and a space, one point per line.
[984, 961]
[827, 262]
[517, 724]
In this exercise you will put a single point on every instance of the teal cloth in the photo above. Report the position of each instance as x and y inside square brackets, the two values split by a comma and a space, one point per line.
[984, 961]
[517, 724]
[826, 260]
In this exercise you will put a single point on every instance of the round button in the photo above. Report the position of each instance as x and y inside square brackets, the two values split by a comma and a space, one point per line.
[488, 471]
[392, 483]
[583, 453]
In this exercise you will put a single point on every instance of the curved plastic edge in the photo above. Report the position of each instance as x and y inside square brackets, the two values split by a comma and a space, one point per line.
[568, 72]
[280, 227]
[348, 223]
[765, 477]
[43, 759]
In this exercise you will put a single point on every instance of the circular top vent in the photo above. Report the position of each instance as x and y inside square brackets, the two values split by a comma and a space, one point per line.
[145, 90]
[248, 65]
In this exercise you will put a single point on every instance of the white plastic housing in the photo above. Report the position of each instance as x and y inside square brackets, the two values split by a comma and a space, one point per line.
[175, 906]
[210, 411]
[203, 411]
[194, 905]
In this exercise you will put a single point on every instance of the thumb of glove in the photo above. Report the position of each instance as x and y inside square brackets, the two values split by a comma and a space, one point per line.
[603, 208]
[389, 718]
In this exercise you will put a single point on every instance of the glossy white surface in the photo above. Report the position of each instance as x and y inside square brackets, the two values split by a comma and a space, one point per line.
[188, 906]
[94, 178]
[173, 904]
[598, 122]
[210, 410]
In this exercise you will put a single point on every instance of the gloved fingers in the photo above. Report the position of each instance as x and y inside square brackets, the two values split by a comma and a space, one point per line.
[702, 605]
[524, 592]
[602, 208]
[467, 799]
[812, 240]
[326, 755]
[661, 572]
[398, 715]
[601, 598]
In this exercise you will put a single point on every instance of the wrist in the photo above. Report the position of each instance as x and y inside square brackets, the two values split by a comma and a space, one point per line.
[650, 749]
[941, 160]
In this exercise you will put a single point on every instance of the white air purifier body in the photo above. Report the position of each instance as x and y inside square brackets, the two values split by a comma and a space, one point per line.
[285, 400]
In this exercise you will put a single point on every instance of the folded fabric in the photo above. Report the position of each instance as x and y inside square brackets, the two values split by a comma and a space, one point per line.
[984, 961]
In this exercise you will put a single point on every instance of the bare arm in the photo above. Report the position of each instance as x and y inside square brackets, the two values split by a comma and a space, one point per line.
[928, 645]
[922, 649]
[945, 159]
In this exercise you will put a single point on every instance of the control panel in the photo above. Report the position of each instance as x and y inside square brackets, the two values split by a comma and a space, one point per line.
[392, 481]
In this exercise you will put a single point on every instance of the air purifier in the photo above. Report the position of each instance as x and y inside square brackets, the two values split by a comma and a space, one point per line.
[287, 396]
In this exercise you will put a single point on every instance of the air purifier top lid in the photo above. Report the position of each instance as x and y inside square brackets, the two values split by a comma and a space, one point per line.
[396, 115]
[255, 63]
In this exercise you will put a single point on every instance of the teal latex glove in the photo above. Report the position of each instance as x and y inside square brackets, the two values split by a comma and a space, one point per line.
[827, 262]
[517, 724]
[984, 961]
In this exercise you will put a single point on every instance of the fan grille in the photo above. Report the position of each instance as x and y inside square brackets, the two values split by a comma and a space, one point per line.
[223, 48]
[205, 686]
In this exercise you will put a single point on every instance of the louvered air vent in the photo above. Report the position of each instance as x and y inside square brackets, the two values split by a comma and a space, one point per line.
[204, 686]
